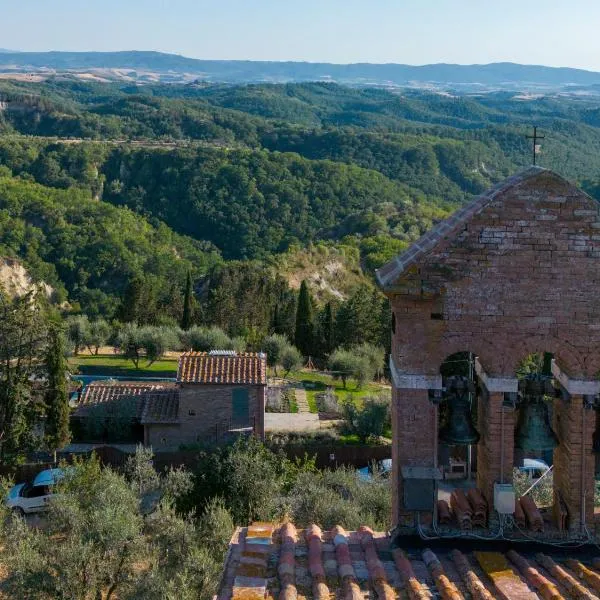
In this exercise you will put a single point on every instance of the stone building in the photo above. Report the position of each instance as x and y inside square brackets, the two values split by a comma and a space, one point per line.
[216, 395]
[516, 271]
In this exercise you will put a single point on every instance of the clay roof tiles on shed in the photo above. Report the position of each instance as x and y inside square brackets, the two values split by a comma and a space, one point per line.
[249, 368]
[156, 402]
[161, 406]
[389, 273]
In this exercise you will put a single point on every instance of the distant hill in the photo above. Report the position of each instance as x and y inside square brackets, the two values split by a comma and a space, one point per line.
[473, 77]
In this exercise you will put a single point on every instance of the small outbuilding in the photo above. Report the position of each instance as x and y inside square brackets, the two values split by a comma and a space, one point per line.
[216, 395]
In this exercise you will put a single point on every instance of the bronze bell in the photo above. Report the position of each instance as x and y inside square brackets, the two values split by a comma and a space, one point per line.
[459, 428]
[533, 433]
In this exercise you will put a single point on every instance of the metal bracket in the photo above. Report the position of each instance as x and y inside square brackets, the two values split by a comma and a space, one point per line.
[436, 395]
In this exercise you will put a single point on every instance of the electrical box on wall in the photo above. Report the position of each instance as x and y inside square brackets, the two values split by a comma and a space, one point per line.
[504, 498]
[419, 487]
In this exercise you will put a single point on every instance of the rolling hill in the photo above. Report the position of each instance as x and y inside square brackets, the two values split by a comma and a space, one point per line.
[168, 66]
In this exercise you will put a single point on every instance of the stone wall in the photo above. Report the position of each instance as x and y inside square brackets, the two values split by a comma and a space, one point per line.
[205, 413]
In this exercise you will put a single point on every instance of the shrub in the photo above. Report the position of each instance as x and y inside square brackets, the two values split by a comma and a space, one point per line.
[327, 402]
[281, 400]
[340, 497]
[542, 493]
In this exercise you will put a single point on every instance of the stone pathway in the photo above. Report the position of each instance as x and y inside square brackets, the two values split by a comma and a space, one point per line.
[301, 400]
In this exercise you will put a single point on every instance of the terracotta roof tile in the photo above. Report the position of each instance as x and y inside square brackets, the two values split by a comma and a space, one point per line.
[285, 562]
[235, 368]
[161, 406]
[155, 402]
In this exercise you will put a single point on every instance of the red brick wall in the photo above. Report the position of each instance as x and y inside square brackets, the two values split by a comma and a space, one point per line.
[520, 275]
[574, 461]
[414, 432]
[495, 451]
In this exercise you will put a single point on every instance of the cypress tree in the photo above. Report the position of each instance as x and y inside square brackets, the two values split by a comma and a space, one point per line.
[188, 299]
[132, 299]
[56, 397]
[304, 335]
[327, 330]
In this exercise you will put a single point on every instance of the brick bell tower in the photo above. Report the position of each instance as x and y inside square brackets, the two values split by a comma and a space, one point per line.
[513, 272]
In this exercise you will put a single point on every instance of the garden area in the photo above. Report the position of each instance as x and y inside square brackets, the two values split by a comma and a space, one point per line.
[326, 394]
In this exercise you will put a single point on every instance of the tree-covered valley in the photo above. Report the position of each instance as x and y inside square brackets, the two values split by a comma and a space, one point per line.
[102, 185]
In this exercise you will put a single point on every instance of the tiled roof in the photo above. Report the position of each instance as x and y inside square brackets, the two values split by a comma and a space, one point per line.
[283, 562]
[155, 402]
[161, 406]
[242, 368]
[389, 273]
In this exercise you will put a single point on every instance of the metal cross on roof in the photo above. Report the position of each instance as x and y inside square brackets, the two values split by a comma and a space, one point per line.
[537, 148]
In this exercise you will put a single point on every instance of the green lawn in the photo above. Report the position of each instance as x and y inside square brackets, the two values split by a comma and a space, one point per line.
[118, 366]
[315, 383]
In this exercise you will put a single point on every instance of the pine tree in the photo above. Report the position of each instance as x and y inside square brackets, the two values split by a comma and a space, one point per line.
[304, 335]
[188, 300]
[56, 397]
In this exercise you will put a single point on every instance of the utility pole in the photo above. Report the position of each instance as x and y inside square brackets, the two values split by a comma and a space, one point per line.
[536, 147]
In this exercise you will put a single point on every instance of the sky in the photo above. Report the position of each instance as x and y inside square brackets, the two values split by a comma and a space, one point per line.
[553, 32]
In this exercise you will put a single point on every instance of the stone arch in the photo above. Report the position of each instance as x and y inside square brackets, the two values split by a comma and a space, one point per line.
[486, 352]
[564, 353]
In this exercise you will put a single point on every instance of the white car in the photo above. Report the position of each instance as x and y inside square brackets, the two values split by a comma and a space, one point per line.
[34, 497]
[534, 468]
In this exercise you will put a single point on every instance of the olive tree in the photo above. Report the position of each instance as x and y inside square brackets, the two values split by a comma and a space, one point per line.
[99, 541]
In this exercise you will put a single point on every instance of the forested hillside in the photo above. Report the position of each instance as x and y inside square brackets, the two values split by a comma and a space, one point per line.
[103, 183]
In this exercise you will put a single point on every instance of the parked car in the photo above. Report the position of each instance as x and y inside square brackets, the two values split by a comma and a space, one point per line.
[34, 496]
[384, 466]
[534, 468]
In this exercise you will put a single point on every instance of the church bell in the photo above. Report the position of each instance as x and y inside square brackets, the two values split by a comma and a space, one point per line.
[533, 433]
[459, 428]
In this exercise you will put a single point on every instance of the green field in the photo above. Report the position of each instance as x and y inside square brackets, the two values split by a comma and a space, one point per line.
[122, 367]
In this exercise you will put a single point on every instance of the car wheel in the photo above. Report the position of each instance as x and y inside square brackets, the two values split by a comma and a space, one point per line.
[18, 511]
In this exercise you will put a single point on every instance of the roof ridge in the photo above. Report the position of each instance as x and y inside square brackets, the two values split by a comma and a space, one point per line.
[389, 272]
